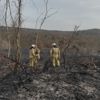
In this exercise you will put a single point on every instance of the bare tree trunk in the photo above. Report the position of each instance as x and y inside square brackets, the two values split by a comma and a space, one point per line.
[43, 20]
[9, 47]
[45, 17]
[6, 13]
[18, 56]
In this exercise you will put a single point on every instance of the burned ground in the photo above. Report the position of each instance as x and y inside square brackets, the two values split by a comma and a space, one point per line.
[79, 79]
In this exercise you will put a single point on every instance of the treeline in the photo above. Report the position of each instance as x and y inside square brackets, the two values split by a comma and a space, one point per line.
[89, 39]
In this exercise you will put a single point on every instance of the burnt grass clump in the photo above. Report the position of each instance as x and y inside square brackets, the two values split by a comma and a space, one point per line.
[78, 79]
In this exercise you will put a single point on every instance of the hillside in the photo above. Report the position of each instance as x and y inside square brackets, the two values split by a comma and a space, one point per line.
[46, 37]
[78, 78]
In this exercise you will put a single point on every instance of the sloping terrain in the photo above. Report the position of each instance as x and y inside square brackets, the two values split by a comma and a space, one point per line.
[76, 79]
[79, 79]
[28, 36]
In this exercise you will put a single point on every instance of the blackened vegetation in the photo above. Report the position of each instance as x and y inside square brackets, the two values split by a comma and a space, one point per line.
[79, 79]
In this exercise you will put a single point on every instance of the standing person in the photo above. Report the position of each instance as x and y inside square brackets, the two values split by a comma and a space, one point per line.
[55, 55]
[34, 56]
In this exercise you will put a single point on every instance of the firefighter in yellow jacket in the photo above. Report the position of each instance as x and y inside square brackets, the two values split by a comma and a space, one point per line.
[34, 56]
[55, 55]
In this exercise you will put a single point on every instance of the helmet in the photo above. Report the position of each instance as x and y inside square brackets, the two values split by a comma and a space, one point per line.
[33, 45]
[54, 44]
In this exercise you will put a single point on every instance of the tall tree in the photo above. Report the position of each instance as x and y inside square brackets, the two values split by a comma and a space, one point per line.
[46, 15]
[7, 31]
[18, 56]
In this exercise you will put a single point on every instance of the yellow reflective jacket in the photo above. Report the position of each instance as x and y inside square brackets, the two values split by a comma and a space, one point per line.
[55, 52]
[32, 53]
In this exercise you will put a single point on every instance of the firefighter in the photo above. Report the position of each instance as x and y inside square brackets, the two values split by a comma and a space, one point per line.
[34, 56]
[55, 55]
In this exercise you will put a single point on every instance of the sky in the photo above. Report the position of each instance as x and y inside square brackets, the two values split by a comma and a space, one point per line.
[85, 13]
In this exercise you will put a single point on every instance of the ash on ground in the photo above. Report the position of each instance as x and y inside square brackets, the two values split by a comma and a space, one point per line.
[75, 81]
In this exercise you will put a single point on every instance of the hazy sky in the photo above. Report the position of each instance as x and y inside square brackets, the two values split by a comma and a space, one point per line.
[85, 13]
